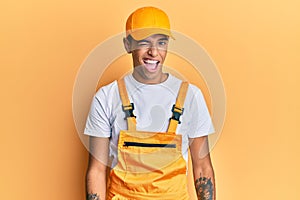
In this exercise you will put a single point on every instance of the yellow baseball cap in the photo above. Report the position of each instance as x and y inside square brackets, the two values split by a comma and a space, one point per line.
[147, 21]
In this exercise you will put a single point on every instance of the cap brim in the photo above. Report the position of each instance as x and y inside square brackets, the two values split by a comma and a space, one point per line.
[141, 34]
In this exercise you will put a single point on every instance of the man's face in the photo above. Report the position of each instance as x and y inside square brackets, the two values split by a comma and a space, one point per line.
[148, 57]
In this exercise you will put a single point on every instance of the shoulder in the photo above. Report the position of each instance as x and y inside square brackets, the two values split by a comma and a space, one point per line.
[107, 90]
[173, 83]
[193, 90]
[194, 96]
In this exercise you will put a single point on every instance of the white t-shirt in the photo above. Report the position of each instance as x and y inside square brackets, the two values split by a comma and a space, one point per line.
[152, 108]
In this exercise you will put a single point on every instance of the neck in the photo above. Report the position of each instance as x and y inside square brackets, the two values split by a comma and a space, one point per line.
[159, 79]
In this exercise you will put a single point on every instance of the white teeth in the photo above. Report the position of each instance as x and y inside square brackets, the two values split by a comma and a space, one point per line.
[151, 61]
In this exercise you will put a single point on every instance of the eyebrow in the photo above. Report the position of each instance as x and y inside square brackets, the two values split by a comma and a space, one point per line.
[143, 41]
[164, 38]
[161, 39]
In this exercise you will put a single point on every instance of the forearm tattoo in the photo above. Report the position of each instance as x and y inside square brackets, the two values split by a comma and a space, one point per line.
[204, 188]
[92, 197]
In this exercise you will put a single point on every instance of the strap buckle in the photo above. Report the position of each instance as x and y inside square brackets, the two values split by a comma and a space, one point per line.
[128, 110]
[177, 112]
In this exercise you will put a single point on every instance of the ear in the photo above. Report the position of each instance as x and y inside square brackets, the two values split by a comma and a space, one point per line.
[127, 45]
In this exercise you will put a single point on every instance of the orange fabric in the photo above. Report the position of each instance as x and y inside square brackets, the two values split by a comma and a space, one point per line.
[150, 166]
[131, 121]
[149, 172]
[147, 21]
[178, 105]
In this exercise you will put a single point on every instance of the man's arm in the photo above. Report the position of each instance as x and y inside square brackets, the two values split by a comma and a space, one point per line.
[203, 170]
[96, 173]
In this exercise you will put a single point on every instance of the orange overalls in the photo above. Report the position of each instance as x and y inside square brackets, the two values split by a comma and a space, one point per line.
[150, 164]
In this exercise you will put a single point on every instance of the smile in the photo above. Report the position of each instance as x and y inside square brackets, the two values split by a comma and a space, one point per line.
[151, 61]
[151, 65]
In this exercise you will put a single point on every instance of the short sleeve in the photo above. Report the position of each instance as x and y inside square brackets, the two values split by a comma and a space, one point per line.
[198, 119]
[98, 123]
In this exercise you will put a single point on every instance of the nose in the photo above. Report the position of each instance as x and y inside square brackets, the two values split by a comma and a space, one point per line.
[153, 51]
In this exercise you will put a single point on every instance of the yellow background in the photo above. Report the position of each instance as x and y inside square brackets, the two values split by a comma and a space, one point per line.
[255, 45]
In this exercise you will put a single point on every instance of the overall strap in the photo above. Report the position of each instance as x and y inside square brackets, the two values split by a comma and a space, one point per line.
[127, 106]
[178, 107]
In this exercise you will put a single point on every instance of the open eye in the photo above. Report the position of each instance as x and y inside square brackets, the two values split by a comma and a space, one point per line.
[162, 43]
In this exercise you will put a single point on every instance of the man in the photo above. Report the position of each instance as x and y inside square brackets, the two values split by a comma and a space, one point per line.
[147, 151]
